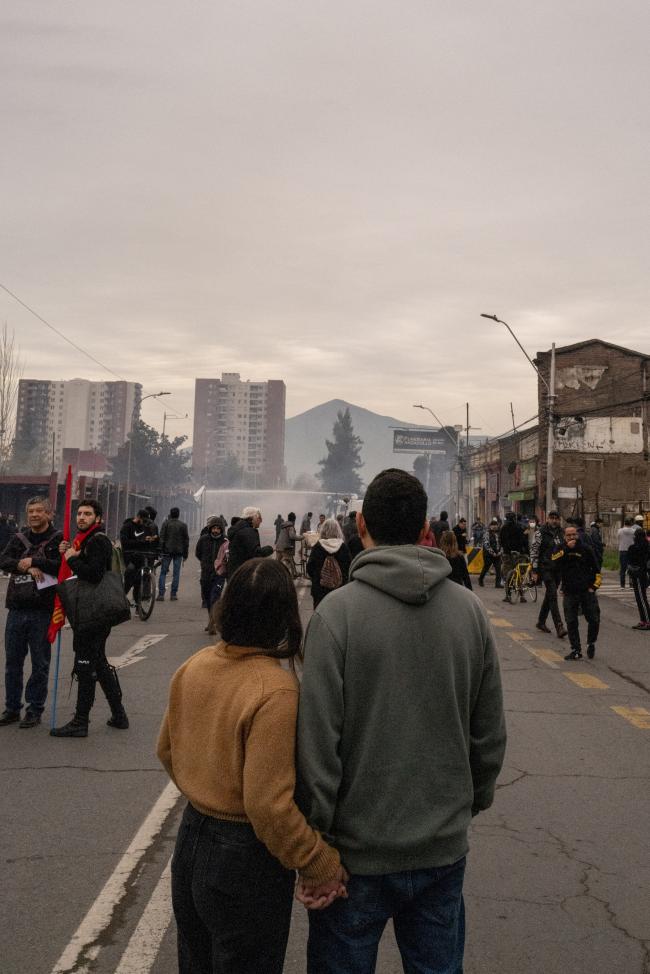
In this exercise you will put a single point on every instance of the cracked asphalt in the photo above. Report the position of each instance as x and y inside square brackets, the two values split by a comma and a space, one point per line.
[559, 870]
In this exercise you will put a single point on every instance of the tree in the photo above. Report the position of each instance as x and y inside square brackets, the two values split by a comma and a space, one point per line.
[156, 461]
[343, 460]
[10, 373]
[229, 473]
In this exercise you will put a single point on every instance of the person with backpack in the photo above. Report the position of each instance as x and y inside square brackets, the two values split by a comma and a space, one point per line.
[89, 557]
[29, 558]
[329, 561]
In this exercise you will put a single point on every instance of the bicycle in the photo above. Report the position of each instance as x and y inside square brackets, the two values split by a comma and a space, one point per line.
[520, 580]
[147, 595]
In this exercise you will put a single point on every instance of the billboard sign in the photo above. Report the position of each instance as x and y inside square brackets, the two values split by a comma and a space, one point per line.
[422, 441]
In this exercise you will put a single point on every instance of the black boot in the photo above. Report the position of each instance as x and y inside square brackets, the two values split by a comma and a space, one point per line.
[110, 684]
[574, 654]
[76, 727]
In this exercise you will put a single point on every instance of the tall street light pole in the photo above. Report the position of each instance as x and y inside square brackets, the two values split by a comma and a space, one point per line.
[152, 395]
[456, 443]
[550, 393]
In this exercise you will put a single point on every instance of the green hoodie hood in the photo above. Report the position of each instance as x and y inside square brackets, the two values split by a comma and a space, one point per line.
[408, 572]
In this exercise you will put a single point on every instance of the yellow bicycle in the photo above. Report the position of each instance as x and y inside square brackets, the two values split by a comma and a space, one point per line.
[520, 581]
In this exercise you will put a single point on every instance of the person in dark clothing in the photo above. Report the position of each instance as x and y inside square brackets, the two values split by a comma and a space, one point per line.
[580, 579]
[207, 549]
[244, 538]
[350, 527]
[597, 542]
[175, 544]
[89, 557]
[548, 541]
[459, 572]
[135, 535]
[514, 543]
[442, 524]
[277, 524]
[460, 530]
[478, 532]
[331, 543]
[29, 557]
[638, 561]
[285, 544]
[6, 532]
[492, 553]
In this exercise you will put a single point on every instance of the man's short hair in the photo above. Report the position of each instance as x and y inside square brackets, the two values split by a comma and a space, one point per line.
[395, 508]
[143, 514]
[443, 515]
[45, 503]
[553, 514]
[174, 512]
[291, 516]
[96, 506]
[251, 512]
[629, 521]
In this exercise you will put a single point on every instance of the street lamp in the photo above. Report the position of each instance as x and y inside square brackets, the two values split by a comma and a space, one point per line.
[456, 443]
[550, 392]
[152, 395]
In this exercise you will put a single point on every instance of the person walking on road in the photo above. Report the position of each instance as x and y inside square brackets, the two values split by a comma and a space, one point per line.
[305, 526]
[277, 524]
[89, 557]
[492, 552]
[285, 546]
[30, 557]
[136, 538]
[242, 835]
[399, 630]
[460, 531]
[625, 537]
[244, 538]
[547, 542]
[207, 549]
[597, 543]
[514, 544]
[638, 564]
[175, 544]
[330, 548]
[580, 579]
[459, 571]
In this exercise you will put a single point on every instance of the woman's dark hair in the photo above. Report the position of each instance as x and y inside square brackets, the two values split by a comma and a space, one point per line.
[259, 607]
[395, 508]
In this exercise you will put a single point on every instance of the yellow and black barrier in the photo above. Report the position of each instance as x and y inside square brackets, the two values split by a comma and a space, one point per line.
[474, 560]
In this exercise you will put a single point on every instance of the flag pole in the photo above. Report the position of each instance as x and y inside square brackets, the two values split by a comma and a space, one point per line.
[66, 537]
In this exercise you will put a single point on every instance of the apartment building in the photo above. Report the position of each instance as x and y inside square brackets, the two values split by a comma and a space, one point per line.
[242, 421]
[72, 414]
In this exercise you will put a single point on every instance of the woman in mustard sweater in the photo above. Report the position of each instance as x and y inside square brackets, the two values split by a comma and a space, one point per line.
[228, 742]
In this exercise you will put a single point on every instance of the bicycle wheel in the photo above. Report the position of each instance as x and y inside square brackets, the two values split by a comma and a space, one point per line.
[147, 594]
[530, 586]
[511, 583]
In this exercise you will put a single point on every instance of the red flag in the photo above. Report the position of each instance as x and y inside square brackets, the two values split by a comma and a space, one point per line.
[58, 615]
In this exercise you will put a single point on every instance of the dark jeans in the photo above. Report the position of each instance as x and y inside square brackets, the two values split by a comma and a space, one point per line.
[26, 631]
[488, 561]
[550, 601]
[134, 564]
[232, 899]
[640, 587]
[588, 602]
[92, 667]
[428, 917]
[176, 561]
[623, 558]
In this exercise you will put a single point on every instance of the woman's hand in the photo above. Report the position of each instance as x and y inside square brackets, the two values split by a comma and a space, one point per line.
[319, 897]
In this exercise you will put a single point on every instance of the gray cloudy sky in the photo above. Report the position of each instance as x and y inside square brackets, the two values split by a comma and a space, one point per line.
[325, 192]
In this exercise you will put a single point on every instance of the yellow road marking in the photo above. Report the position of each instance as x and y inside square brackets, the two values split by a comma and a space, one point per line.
[638, 716]
[548, 656]
[587, 681]
[521, 637]
[501, 623]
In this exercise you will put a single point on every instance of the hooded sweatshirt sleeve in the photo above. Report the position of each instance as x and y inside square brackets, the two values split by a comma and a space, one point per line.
[487, 730]
[320, 721]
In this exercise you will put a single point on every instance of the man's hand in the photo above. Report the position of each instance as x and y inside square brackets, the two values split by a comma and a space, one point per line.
[70, 553]
[319, 897]
[36, 574]
[24, 564]
[63, 547]
[535, 577]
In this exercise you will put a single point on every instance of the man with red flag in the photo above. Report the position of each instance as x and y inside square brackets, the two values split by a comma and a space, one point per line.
[32, 559]
[89, 557]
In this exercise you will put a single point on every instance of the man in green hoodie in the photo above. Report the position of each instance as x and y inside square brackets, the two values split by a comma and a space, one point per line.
[401, 736]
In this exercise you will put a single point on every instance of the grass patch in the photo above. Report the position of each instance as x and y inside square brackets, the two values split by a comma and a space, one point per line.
[610, 560]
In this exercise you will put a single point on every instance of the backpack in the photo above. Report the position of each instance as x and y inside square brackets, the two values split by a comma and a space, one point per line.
[331, 575]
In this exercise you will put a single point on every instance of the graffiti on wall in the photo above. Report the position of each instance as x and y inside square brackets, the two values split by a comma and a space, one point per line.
[599, 434]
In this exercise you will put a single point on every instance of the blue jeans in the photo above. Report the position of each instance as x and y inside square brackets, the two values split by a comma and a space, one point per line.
[232, 899]
[428, 916]
[26, 631]
[177, 561]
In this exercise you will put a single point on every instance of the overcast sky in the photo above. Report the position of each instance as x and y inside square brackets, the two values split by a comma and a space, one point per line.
[325, 192]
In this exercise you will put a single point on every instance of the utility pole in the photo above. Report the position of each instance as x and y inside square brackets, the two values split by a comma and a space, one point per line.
[152, 395]
[550, 386]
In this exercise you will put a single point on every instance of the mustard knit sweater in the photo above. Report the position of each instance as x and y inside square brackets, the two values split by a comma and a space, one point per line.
[228, 742]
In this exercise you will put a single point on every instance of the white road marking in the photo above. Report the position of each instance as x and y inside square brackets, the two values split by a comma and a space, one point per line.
[142, 949]
[83, 947]
[132, 655]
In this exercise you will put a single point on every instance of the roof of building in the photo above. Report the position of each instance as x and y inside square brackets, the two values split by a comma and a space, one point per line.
[595, 341]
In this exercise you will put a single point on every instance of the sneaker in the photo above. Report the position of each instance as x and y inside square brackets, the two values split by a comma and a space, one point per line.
[542, 627]
[574, 654]
[561, 633]
[173, 598]
[9, 717]
[119, 720]
[160, 598]
[591, 651]
[31, 719]
[74, 728]
[641, 625]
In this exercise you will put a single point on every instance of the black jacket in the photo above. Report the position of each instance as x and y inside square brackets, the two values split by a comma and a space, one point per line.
[132, 536]
[174, 537]
[577, 567]
[207, 549]
[48, 561]
[94, 559]
[315, 563]
[438, 527]
[638, 557]
[461, 537]
[244, 544]
[546, 543]
[459, 572]
[597, 544]
[513, 538]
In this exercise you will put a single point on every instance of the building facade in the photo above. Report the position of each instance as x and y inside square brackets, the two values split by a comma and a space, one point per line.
[239, 424]
[74, 414]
